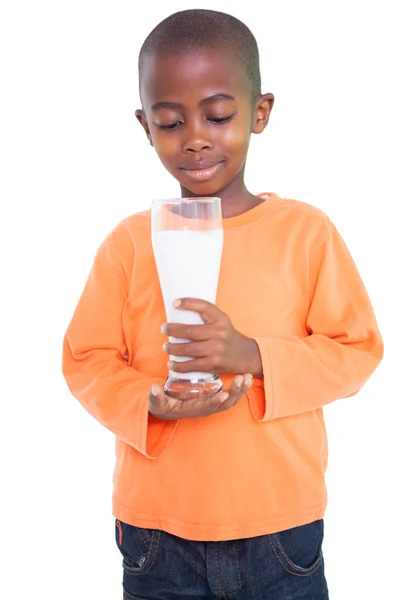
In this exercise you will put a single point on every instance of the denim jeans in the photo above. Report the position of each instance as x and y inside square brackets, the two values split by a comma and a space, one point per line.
[283, 566]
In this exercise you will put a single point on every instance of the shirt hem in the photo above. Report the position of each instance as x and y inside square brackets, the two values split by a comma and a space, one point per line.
[202, 532]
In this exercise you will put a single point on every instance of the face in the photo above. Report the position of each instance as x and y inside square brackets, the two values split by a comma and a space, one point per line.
[198, 113]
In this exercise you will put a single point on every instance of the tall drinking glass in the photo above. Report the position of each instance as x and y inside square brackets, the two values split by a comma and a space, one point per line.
[187, 239]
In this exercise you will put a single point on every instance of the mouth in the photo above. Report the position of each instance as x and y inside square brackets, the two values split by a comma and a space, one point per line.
[202, 170]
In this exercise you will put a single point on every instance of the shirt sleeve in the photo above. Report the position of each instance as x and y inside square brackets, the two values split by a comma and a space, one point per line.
[95, 356]
[342, 350]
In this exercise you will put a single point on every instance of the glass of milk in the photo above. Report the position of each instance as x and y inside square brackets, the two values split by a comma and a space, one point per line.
[187, 239]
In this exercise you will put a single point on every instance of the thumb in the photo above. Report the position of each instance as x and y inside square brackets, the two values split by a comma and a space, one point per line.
[155, 400]
[156, 391]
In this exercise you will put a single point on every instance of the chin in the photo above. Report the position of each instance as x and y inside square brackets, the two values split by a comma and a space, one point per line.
[207, 188]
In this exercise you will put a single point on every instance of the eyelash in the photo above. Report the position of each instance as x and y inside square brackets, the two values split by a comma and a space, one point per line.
[216, 121]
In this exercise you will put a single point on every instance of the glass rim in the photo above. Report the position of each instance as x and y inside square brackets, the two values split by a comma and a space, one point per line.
[187, 200]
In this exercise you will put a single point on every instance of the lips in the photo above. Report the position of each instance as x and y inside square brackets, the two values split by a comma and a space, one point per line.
[202, 170]
[199, 165]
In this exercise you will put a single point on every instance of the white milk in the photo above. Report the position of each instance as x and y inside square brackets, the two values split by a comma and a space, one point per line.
[188, 264]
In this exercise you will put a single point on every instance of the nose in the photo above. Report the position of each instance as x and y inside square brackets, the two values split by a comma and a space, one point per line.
[197, 137]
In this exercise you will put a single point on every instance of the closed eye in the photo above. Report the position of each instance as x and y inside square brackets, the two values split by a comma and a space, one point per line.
[215, 120]
[221, 120]
[170, 125]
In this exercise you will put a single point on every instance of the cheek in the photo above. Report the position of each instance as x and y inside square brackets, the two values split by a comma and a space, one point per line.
[236, 140]
[166, 146]
[236, 137]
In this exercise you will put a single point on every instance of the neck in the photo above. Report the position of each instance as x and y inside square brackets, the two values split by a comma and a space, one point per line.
[235, 198]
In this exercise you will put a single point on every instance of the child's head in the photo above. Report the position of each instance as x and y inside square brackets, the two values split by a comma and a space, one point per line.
[200, 89]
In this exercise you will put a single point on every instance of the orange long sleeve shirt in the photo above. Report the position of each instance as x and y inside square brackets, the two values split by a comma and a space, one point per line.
[287, 280]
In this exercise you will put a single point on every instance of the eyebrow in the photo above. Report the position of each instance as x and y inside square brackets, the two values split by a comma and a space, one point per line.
[213, 98]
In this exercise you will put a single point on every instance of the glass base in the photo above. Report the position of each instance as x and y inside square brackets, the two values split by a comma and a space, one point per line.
[190, 389]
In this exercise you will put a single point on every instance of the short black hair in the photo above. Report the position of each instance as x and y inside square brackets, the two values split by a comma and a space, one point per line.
[190, 30]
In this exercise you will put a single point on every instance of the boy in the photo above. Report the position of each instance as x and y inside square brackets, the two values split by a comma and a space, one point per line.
[221, 497]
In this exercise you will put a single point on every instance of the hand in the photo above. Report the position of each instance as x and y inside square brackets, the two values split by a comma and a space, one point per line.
[164, 407]
[215, 347]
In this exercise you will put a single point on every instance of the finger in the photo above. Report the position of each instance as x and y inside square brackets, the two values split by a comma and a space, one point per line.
[155, 398]
[159, 403]
[208, 311]
[201, 406]
[162, 406]
[192, 349]
[168, 408]
[237, 389]
[219, 402]
[196, 333]
[241, 383]
[239, 386]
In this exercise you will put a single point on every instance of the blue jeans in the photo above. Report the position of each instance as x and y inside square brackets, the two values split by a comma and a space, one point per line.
[284, 566]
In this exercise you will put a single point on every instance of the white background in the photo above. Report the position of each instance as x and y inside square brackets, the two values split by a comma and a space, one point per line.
[74, 162]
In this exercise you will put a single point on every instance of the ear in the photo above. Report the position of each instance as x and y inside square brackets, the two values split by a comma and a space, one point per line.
[262, 111]
[141, 117]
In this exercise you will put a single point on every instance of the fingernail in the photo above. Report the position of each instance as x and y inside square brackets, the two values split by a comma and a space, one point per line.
[163, 328]
[155, 390]
[170, 365]
[248, 380]
[165, 346]
[239, 380]
[176, 303]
